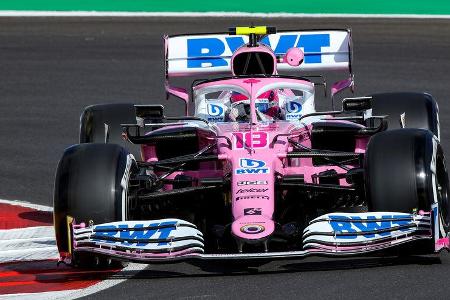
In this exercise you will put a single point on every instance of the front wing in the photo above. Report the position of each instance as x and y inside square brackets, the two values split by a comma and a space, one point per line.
[335, 234]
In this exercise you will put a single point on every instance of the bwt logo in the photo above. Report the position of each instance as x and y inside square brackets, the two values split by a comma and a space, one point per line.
[206, 52]
[252, 166]
[215, 110]
[251, 163]
[294, 107]
[345, 224]
[125, 235]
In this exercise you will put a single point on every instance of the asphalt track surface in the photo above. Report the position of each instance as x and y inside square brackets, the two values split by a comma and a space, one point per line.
[51, 68]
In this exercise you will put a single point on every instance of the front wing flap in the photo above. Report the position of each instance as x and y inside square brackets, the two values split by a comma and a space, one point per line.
[156, 238]
[340, 232]
[335, 234]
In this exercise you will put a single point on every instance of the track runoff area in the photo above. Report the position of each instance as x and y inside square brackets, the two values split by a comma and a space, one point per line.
[28, 252]
[28, 258]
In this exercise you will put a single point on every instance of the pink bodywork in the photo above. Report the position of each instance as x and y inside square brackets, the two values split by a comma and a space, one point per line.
[253, 204]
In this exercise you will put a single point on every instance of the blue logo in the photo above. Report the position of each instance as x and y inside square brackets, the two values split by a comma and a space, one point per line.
[348, 225]
[252, 166]
[215, 110]
[294, 107]
[208, 50]
[251, 163]
[125, 235]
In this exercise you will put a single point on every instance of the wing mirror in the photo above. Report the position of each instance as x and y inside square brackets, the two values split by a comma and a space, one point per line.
[294, 57]
[357, 104]
[150, 112]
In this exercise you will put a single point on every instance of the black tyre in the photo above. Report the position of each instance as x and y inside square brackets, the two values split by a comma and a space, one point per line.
[400, 166]
[91, 185]
[421, 110]
[94, 118]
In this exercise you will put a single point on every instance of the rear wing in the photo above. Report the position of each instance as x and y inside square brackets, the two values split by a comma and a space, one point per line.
[189, 55]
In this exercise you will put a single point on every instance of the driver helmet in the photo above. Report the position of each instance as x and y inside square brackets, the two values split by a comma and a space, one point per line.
[266, 103]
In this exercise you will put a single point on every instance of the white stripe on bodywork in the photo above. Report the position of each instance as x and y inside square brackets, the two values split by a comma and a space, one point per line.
[124, 184]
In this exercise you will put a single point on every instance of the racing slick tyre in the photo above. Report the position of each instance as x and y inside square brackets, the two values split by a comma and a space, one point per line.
[100, 123]
[420, 109]
[405, 171]
[91, 185]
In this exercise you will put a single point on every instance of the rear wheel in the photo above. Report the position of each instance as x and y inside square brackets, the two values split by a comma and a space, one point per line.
[420, 110]
[405, 171]
[91, 185]
[101, 123]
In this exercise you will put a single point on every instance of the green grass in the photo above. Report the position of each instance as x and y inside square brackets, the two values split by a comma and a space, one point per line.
[264, 6]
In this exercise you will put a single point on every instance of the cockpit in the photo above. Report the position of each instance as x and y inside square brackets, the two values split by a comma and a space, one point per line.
[229, 100]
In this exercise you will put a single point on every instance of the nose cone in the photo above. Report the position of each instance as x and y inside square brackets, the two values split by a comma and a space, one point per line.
[252, 229]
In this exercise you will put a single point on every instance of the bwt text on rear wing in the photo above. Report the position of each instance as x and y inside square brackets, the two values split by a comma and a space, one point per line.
[325, 50]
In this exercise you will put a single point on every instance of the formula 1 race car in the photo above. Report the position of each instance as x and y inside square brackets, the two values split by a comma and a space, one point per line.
[255, 172]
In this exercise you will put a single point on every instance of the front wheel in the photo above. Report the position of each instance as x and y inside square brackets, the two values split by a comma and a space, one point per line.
[91, 185]
[405, 171]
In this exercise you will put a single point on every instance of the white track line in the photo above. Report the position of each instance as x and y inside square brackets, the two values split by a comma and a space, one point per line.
[38, 296]
[25, 244]
[41, 237]
[75, 294]
[106, 284]
[42, 253]
[17, 13]
[26, 204]
[30, 243]
[27, 233]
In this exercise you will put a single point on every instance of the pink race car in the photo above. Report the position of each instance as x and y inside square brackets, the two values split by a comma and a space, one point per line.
[255, 171]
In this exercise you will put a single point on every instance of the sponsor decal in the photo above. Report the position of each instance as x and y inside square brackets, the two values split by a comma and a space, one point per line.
[355, 224]
[206, 52]
[255, 139]
[290, 117]
[264, 197]
[215, 112]
[252, 228]
[251, 211]
[293, 107]
[161, 231]
[252, 166]
[293, 110]
[254, 182]
[252, 190]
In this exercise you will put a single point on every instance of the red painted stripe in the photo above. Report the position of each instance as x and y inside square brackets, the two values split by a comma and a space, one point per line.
[40, 276]
[15, 216]
[8, 274]
[14, 283]
[45, 276]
